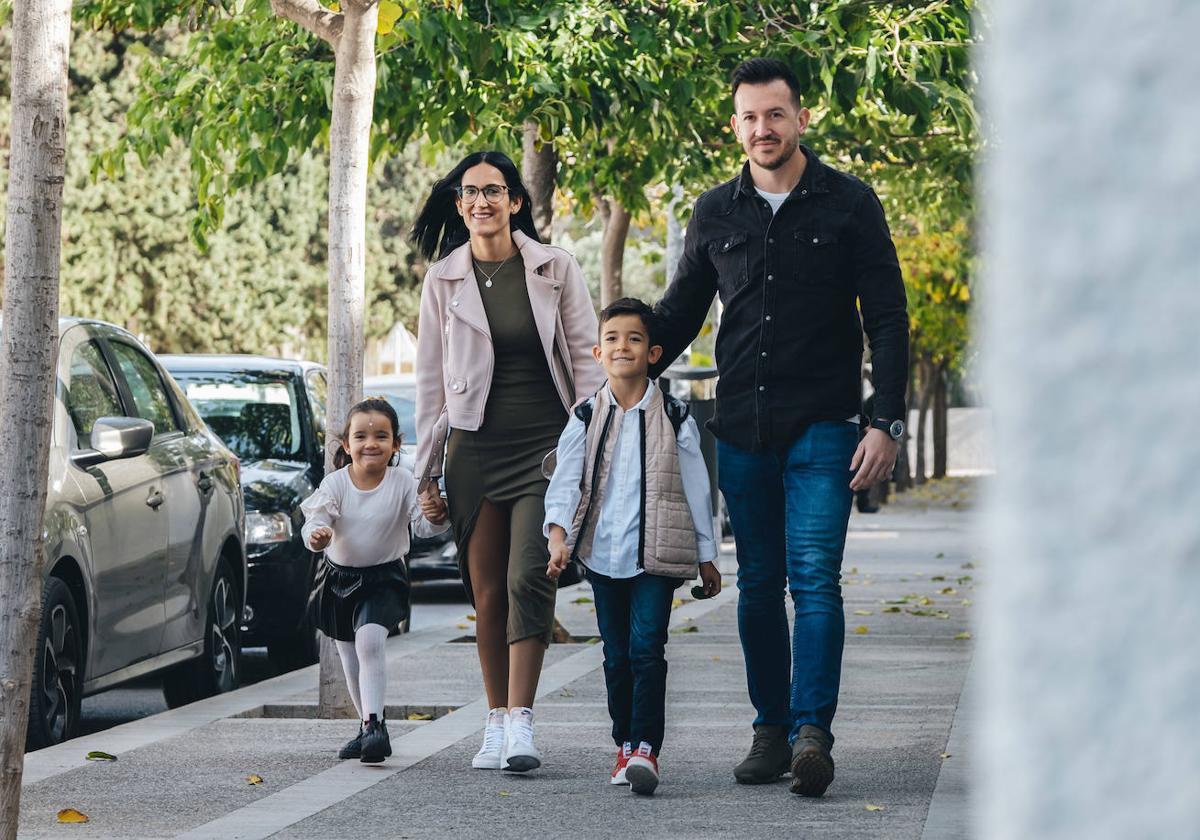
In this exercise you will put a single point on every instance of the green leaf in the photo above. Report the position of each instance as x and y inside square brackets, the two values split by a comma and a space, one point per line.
[100, 755]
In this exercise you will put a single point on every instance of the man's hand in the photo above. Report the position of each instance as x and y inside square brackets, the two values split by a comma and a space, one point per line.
[560, 558]
[874, 459]
[320, 538]
[710, 579]
[433, 507]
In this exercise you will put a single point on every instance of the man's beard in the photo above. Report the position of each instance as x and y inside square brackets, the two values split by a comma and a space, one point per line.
[785, 154]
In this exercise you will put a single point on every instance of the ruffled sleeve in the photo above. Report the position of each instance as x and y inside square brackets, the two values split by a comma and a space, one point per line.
[320, 510]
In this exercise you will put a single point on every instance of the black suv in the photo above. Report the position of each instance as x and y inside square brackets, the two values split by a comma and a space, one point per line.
[271, 412]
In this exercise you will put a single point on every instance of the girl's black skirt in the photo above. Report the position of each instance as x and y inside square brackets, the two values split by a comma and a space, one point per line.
[345, 598]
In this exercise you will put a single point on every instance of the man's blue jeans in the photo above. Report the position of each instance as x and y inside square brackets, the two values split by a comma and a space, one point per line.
[633, 614]
[789, 513]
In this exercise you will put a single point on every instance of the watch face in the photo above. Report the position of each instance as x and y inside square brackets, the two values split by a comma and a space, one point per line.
[897, 429]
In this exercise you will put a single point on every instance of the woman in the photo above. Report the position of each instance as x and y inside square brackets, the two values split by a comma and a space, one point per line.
[503, 352]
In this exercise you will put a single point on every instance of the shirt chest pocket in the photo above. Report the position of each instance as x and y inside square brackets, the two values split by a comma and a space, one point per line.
[817, 255]
[730, 256]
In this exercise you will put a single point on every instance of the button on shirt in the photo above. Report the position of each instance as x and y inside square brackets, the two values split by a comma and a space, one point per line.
[615, 542]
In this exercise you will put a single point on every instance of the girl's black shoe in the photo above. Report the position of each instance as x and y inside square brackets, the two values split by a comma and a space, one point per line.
[353, 748]
[376, 745]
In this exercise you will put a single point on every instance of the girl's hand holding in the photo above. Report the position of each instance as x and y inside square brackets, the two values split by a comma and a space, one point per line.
[433, 507]
[320, 538]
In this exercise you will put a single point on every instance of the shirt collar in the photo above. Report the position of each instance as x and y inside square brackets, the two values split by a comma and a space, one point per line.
[812, 180]
[643, 403]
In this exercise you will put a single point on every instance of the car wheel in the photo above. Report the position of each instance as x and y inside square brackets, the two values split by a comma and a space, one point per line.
[220, 668]
[57, 670]
[298, 650]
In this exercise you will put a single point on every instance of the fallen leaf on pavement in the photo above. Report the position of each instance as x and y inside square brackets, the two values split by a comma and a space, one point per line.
[254, 779]
[470, 616]
[945, 755]
[70, 815]
[862, 612]
[938, 577]
[462, 626]
[966, 602]
[862, 630]
[940, 555]
[100, 755]
[949, 590]
[890, 609]
[419, 716]
[963, 636]
[716, 659]
[582, 599]
[925, 601]
[968, 565]
[854, 570]
[504, 793]
[874, 807]
[691, 628]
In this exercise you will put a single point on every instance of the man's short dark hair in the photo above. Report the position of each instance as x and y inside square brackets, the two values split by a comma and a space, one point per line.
[629, 306]
[760, 71]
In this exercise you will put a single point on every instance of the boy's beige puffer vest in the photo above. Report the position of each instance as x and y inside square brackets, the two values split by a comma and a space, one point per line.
[667, 543]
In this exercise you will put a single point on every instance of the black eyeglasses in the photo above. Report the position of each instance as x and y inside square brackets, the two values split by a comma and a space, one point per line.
[492, 193]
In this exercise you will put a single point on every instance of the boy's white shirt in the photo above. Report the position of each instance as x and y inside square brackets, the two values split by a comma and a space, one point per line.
[615, 542]
[369, 526]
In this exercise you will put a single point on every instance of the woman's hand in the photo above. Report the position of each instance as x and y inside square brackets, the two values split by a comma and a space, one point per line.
[320, 538]
[433, 507]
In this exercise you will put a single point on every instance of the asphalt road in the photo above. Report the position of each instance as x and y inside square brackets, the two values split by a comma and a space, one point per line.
[434, 604]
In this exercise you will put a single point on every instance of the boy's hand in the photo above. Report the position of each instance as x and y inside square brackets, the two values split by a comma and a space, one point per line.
[710, 579]
[320, 538]
[433, 507]
[560, 558]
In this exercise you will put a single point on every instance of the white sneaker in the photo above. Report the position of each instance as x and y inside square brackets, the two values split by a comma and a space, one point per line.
[520, 755]
[488, 757]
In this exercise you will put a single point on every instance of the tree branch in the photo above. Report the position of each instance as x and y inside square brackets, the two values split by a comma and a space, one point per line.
[310, 14]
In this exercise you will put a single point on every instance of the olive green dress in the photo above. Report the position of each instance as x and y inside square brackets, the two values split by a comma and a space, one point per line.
[502, 461]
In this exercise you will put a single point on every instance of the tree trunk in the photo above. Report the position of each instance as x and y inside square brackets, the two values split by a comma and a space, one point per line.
[612, 250]
[540, 168]
[37, 168]
[927, 387]
[903, 472]
[349, 139]
[940, 420]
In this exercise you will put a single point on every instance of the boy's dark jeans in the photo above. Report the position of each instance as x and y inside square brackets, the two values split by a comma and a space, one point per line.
[633, 614]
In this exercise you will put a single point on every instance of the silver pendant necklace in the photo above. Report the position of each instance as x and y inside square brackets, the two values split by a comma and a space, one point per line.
[487, 278]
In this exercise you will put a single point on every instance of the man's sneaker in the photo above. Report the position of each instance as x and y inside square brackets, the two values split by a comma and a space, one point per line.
[376, 745]
[353, 747]
[618, 772]
[812, 765]
[642, 770]
[488, 757]
[769, 757]
[520, 755]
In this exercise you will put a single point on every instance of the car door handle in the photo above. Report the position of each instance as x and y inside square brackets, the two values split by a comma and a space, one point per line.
[155, 499]
[205, 483]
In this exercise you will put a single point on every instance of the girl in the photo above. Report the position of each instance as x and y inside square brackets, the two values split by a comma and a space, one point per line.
[503, 351]
[360, 517]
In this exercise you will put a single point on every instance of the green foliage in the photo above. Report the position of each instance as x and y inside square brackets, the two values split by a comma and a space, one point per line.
[937, 266]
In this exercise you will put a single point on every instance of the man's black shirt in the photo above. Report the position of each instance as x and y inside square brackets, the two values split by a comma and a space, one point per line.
[790, 343]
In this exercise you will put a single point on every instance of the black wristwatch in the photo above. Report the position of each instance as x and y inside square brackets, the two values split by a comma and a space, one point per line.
[894, 428]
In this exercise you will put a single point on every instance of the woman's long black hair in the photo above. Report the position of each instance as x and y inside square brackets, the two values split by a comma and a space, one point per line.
[439, 229]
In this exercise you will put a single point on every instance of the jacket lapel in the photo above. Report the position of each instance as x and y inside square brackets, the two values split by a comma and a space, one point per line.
[465, 302]
[544, 290]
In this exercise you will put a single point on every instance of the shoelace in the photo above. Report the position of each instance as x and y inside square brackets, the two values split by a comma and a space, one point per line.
[760, 745]
[493, 737]
[522, 728]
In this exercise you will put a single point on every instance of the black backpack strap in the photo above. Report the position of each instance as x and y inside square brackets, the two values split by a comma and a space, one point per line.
[677, 411]
[584, 411]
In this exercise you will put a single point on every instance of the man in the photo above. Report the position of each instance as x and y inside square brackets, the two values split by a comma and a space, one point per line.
[791, 245]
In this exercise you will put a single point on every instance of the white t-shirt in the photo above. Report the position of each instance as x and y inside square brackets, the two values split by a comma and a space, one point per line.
[369, 526]
[774, 199]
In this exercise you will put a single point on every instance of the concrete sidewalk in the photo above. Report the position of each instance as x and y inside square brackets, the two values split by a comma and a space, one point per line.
[184, 773]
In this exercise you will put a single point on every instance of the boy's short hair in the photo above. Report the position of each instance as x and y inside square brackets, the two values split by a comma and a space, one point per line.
[629, 306]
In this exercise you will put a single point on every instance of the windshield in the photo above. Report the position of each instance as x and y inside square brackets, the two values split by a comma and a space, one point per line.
[403, 398]
[254, 414]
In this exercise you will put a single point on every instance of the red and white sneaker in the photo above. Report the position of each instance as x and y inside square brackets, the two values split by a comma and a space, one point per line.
[618, 771]
[641, 770]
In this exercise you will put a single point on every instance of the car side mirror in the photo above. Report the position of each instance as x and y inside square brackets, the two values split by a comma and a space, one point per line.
[116, 437]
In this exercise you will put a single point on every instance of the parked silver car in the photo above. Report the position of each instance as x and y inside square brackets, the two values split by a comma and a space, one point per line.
[145, 566]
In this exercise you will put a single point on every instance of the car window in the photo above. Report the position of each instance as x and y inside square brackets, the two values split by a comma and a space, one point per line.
[255, 414]
[92, 392]
[316, 398]
[404, 399]
[149, 394]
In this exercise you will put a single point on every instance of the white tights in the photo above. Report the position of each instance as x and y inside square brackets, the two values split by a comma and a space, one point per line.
[366, 670]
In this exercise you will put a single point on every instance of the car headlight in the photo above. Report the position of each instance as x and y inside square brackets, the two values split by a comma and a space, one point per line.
[267, 528]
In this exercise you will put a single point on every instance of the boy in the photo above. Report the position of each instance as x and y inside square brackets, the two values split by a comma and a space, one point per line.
[630, 499]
